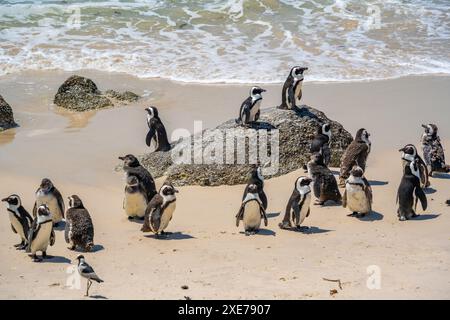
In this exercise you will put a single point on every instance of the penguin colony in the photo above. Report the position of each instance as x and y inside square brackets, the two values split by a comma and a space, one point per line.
[156, 208]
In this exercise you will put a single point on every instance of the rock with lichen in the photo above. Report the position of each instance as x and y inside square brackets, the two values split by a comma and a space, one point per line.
[6, 115]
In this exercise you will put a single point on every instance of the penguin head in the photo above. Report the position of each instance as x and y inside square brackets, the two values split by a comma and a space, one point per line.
[132, 180]
[13, 201]
[409, 149]
[357, 172]
[325, 129]
[317, 158]
[430, 129]
[80, 258]
[152, 112]
[362, 135]
[130, 160]
[297, 72]
[252, 188]
[255, 92]
[75, 202]
[302, 183]
[168, 190]
[43, 211]
[46, 185]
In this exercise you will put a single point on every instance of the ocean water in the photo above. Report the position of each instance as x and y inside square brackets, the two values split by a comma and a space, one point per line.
[232, 41]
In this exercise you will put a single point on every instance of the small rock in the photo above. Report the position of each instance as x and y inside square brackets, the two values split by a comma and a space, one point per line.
[333, 292]
[6, 115]
[187, 298]
[184, 287]
[56, 284]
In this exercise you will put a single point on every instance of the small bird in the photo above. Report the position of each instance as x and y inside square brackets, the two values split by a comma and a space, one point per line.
[87, 272]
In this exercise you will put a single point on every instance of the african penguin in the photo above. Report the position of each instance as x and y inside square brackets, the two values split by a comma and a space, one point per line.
[250, 108]
[292, 89]
[135, 200]
[257, 179]
[321, 142]
[79, 230]
[355, 154]
[41, 233]
[409, 192]
[358, 193]
[324, 183]
[20, 219]
[131, 166]
[433, 152]
[48, 194]
[160, 210]
[157, 132]
[251, 211]
[87, 272]
[298, 208]
[409, 153]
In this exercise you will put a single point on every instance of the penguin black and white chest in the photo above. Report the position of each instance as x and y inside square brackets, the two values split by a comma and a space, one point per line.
[48, 194]
[41, 233]
[131, 166]
[409, 154]
[135, 200]
[298, 207]
[433, 152]
[160, 210]
[251, 211]
[355, 155]
[321, 142]
[257, 179]
[250, 108]
[20, 219]
[292, 88]
[324, 183]
[358, 193]
[410, 192]
[79, 231]
[157, 132]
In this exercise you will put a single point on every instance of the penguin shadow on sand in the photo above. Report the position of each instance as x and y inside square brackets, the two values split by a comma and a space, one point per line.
[425, 216]
[429, 190]
[372, 216]
[98, 297]
[95, 248]
[171, 236]
[441, 175]
[375, 183]
[60, 227]
[262, 232]
[55, 259]
[308, 230]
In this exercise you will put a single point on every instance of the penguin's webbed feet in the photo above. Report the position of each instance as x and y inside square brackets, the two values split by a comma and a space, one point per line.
[285, 225]
[353, 214]
[402, 218]
[35, 258]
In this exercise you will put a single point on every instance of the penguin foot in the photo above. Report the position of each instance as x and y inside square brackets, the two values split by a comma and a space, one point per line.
[285, 225]
[22, 247]
[56, 224]
[141, 218]
[130, 218]
[247, 233]
[18, 245]
[72, 247]
[302, 228]
[353, 214]
[402, 218]
[36, 258]
[318, 203]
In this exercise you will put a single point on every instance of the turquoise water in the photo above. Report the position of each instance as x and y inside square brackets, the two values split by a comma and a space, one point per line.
[228, 41]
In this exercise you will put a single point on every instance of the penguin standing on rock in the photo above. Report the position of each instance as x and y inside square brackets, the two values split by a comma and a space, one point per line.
[355, 154]
[409, 154]
[157, 132]
[321, 142]
[20, 219]
[409, 192]
[41, 233]
[250, 108]
[131, 166]
[257, 179]
[324, 183]
[135, 201]
[292, 89]
[160, 210]
[297, 208]
[433, 152]
[358, 194]
[251, 211]
[48, 194]
[79, 227]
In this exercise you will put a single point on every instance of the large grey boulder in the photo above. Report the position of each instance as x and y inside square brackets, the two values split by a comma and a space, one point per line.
[6, 115]
[293, 129]
[81, 94]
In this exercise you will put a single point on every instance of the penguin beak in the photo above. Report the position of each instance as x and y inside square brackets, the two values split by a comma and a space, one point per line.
[401, 150]
[122, 158]
[175, 190]
[308, 180]
[5, 200]
[263, 90]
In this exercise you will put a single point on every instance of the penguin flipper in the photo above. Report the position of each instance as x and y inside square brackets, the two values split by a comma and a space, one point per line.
[14, 230]
[148, 139]
[309, 211]
[60, 200]
[240, 214]
[35, 210]
[422, 197]
[156, 202]
[52, 237]
[344, 199]
[66, 231]
[291, 96]
[264, 216]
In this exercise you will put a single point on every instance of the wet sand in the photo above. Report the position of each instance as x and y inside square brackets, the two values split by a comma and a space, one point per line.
[206, 251]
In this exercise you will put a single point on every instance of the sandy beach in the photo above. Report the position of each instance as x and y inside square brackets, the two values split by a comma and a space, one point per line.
[206, 252]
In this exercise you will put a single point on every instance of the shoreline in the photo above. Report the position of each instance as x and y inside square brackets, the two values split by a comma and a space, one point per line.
[207, 252]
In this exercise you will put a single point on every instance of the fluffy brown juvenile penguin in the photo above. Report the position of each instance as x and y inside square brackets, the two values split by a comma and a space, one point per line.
[79, 230]
[324, 183]
[355, 155]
